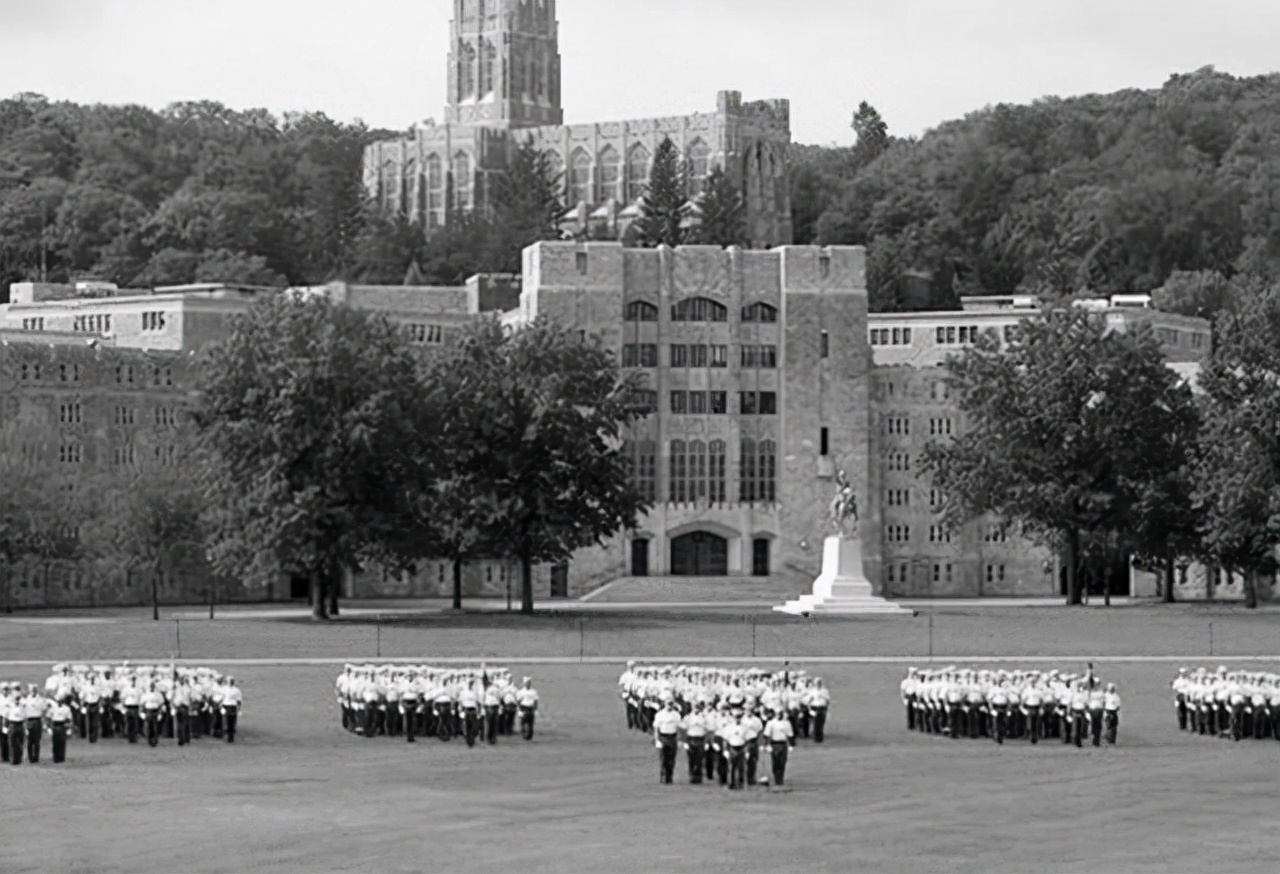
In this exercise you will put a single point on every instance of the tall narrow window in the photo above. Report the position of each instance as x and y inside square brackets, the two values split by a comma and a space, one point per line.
[679, 472]
[579, 178]
[767, 471]
[824, 445]
[463, 180]
[699, 165]
[826, 344]
[610, 163]
[697, 469]
[715, 471]
[747, 471]
[637, 170]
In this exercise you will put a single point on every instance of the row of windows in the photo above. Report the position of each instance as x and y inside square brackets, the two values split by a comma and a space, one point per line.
[940, 572]
[950, 335]
[899, 461]
[890, 336]
[897, 425]
[698, 309]
[99, 323]
[64, 372]
[750, 403]
[420, 333]
[995, 534]
[70, 413]
[34, 323]
[698, 470]
[897, 533]
[898, 497]
[697, 355]
[153, 321]
[126, 374]
[939, 534]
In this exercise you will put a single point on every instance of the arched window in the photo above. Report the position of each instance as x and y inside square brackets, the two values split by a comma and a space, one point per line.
[715, 471]
[697, 469]
[699, 157]
[466, 71]
[610, 163]
[463, 180]
[487, 56]
[536, 75]
[637, 170]
[555, 169]
[759, 312]
[699, 309]
[679, 473]
[435, 183]
[641, 311]
[579, 178]
[408, 174]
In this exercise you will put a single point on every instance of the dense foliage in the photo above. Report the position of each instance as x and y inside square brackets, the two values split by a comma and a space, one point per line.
[1098, 194]
[1079, 435]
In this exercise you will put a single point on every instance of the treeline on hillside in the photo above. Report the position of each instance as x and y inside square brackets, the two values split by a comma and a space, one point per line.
[1091, 195]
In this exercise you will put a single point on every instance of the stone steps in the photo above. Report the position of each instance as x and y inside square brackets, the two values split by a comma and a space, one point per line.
[635, 590]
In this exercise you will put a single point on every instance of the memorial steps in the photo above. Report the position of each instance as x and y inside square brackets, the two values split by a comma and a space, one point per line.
[727, 590]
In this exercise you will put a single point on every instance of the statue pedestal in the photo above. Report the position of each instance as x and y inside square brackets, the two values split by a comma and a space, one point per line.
[842, 587]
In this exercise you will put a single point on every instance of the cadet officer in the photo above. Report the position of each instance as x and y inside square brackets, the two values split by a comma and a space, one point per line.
[779, 738]
[33, 708]
[694, 727]
[232, 700]
[15, 721]
[817, 699]
[666, 731]
[527, 701]
[735, 739]
[152, 703]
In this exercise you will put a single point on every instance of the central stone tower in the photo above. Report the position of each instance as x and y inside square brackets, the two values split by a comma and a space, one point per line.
[504, 64]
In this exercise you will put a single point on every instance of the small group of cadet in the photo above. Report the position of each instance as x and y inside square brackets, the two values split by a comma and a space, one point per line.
[801, 698]
[1000, 704]
[417, 700]
[1226, 703]
[724, 719]
[25, 717]
[151, 701]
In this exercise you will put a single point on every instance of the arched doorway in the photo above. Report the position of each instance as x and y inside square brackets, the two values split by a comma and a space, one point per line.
[699, 554]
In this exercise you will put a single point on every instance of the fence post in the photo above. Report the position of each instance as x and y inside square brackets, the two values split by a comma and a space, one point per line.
[1211, 638]
[177, 631]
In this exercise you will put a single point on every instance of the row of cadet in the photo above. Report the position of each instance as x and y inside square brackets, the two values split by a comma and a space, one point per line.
[147, 700]
[422, 700]
[1000, 704]
[25, 717]
[801, 698]
[726, 720]
[1224, 703]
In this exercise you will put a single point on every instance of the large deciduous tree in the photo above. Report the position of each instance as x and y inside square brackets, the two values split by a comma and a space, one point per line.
[534, 420]
[1238, 477]
[1072, 432]
[158, 527]
[662, 209]
[306, 418]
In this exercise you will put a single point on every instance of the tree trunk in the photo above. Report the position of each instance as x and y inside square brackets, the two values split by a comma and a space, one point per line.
[1106, 587]
[335, 588]
[1251, 589]
[457, 584]
[1071, 558]
[1210, 578]
[155, 594]
[318, 605]
[526, 585]
[1169, 573]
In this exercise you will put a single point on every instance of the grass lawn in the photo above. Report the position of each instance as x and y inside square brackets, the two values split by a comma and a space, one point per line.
[297, 793]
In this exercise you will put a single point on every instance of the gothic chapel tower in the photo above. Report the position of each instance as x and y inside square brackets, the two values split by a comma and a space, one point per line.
[504, 64]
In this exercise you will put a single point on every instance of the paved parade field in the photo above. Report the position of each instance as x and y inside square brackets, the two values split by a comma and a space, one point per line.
[297, 793]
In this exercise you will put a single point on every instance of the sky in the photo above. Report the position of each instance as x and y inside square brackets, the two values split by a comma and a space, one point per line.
[919, 62]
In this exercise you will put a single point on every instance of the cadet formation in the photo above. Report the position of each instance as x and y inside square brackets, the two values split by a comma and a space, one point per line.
[1001, 704]
[105, 701]
[725, 719]
[1224, 703]
[413, 701]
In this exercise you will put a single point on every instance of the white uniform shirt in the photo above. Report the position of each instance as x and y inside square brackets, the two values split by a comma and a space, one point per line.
[666, 722]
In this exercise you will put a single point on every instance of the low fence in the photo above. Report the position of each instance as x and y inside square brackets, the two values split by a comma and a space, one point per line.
[944, 636]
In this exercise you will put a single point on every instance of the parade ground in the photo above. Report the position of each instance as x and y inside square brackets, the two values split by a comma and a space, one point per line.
[298, 793]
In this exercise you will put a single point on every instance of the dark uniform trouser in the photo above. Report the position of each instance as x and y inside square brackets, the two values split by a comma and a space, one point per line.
[33, 739]
[16, 740]
[737, 761]
[779, 761]
[753, 760]
[153, 727]
[182, 724]
[666, 757]
[59, 742]
[697, 753]
[819, 724]
[491, 723]
[131, 722]
[722, 764]
[710, 755]
[410, 718]
[526, 722]
[229, 721]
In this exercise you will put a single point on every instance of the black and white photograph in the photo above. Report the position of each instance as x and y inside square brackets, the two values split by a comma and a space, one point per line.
[639, 436]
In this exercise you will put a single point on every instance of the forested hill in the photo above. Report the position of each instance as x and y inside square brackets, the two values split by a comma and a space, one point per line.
[194, 192]
[1087, 195]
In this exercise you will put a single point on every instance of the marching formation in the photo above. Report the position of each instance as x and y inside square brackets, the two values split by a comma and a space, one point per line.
[1000, 704]
[1231, 704]
[25, 717]
[725, 719]
[151, 701]
[417, 700]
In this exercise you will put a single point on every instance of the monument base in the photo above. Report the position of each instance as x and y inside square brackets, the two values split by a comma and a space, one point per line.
[842, 588]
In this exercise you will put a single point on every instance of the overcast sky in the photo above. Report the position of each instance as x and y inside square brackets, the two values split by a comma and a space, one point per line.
[919, 62]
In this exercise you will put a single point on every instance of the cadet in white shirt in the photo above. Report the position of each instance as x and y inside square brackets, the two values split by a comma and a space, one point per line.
[694, 727]
[527, 701]
[780, 738]
[33, 708]
[666, 731]
[59, 721]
